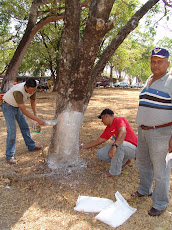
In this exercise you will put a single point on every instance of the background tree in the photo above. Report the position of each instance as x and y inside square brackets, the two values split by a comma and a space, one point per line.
[44, 51]
[166, 42]
[41, 13]
[11, 11]
[131, 59]
[139, 63]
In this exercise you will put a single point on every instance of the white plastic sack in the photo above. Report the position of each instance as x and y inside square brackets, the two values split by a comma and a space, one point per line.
[91, 204]
[51, 122]
[117, 213]
[168, 157]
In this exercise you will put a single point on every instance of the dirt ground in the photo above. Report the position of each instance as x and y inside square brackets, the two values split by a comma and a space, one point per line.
[32, 197]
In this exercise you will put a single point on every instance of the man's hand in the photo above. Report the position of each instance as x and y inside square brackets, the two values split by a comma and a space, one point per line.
[170, 145]
[41, 122]
[92, 143]
[112, 152]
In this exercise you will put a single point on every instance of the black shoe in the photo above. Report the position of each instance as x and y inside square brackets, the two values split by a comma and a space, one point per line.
[37, 148]
[155, 212]
[137, 194]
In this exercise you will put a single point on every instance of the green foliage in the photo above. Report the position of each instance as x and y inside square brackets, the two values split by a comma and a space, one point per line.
[44, 51]
[6, 53]
[132, 57]
[16, 9]
[122, 11]
[166, 42]
[11, 12]
[13, 18]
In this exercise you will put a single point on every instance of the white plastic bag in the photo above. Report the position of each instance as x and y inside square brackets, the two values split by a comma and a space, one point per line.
[51, 122]
[91, 204]
[117, 213]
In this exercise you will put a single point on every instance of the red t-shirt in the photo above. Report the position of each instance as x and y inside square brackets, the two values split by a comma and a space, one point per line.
[112, 131]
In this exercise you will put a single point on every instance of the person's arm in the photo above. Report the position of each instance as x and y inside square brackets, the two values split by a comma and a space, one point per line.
[18, 96]
[170, 145]
[30, 115]
[93, 143]
[33, 106]
[120, 138]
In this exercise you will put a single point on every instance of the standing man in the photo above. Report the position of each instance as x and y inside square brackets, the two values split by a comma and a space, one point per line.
[123, 147]
[154, 119]
[13, 107]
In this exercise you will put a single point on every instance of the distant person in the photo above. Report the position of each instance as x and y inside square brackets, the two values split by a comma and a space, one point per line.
[154, 119]
[124, 142]
[13, 107]
[46, 87]
[49, 84]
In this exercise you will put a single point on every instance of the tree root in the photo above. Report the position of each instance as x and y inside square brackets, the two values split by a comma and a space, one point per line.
[12, 176]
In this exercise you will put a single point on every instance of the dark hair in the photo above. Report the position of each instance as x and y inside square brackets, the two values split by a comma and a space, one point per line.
[30, 83]
[106, 111]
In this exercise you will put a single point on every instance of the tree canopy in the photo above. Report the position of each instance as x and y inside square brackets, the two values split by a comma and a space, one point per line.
[44, 52]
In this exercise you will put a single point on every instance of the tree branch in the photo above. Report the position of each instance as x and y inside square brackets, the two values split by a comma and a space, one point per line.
[44, 22]
[40, 13]
[165, 13]
[166, 3]
[119, 38]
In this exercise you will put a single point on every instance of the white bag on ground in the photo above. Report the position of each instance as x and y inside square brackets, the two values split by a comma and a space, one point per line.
[117, 213]
[91, 204]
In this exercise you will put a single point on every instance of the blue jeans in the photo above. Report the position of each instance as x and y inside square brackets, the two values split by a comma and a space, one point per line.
[152, 149]
[13, 114]
[124, 152]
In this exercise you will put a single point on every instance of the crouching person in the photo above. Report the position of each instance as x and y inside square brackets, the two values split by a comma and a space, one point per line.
[122, 149]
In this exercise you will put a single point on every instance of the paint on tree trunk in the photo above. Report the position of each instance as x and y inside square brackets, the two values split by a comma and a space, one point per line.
[66, 139]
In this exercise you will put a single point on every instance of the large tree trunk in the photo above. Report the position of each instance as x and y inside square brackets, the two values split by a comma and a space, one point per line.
[76, 84]
[78, 74]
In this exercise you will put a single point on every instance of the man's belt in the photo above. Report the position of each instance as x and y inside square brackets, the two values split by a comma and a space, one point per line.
[155, 127]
